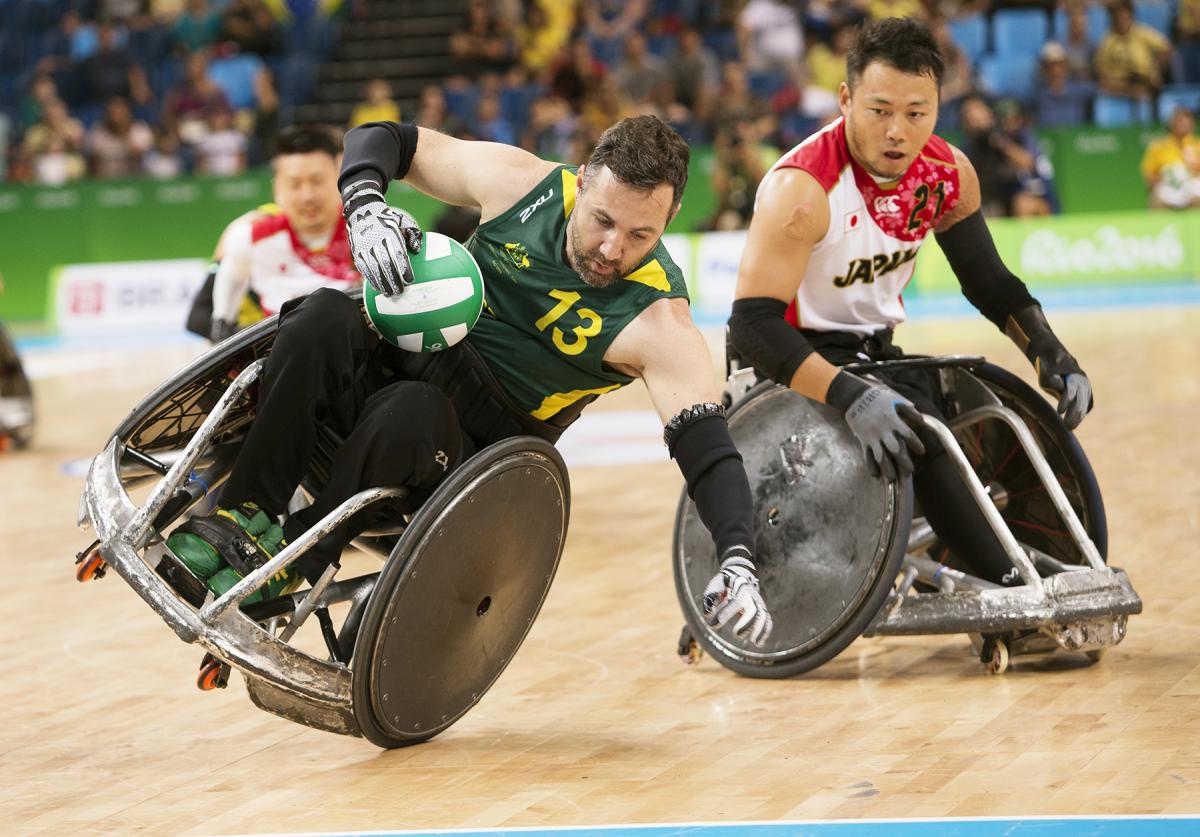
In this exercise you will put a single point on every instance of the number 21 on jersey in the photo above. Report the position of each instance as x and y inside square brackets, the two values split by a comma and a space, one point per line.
[590, 328]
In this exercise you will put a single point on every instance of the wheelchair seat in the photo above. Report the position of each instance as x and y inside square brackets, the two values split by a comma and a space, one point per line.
[423, 639]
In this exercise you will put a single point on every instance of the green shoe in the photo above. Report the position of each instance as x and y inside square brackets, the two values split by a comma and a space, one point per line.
[201, 542]
[283, 582]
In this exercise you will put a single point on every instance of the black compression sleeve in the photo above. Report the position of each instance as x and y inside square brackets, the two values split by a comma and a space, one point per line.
[199, 318]
[716, 480]
[378, 152]
[986, 282]
[765, 339]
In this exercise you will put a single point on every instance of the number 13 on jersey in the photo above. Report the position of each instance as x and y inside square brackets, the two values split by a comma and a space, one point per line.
[590, 328]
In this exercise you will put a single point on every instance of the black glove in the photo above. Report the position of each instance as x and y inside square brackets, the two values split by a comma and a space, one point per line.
[883, 421]
[380, 237]
[733, 591]
[221, 330]
[1058, 372]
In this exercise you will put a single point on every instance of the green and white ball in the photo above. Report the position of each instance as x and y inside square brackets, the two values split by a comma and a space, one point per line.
[441, 305]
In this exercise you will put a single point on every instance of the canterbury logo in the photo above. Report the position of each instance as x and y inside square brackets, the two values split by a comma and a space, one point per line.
[887, 205]
[529, 210]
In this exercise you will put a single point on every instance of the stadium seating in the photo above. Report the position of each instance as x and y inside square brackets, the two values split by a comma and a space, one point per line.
[1114, 111]
[1174, 95]
[1019, 31]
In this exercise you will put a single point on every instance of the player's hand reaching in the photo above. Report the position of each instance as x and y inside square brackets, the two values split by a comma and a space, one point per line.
[381, 238]
[883, 421]
[1058, 372]
[733, 592]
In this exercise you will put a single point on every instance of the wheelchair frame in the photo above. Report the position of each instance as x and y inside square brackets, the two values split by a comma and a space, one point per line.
[1081, 607]
[280, 678]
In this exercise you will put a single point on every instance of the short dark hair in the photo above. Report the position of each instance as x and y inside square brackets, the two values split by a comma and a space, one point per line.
[900, 42]
[304, 139]
[643, 151]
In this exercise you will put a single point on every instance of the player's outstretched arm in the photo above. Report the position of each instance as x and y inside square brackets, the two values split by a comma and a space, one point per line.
[791, 216]
[664, 348]
[489, 175]
[990, 286]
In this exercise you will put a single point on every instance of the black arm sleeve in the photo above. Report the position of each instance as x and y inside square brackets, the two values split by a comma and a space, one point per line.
[199, 318]
[716, 480]
[379, 152]
[765, 339]
[986, 282]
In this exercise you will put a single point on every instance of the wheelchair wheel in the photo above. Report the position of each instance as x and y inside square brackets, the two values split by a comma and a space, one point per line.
[830, 537]
[992, 448]
[460, 591]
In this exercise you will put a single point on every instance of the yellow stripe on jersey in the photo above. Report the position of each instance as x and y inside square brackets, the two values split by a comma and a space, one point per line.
[551, 404]
[270, 209]
[568, 187]
[651, 274]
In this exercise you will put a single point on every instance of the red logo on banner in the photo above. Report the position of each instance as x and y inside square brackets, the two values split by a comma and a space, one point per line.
[87, 298]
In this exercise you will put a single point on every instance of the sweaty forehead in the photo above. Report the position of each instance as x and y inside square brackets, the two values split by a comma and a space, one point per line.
[629, 206]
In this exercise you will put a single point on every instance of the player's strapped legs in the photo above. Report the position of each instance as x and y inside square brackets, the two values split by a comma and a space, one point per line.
[316, 373]
[407, 434]
[945, 500]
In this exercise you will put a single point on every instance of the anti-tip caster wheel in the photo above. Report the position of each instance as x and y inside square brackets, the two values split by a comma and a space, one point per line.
[90, 564]
[994, 655]
[214, 674]
[689, 650]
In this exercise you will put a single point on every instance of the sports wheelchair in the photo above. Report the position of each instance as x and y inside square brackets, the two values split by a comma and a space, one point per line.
[422, 639]
[841, 553]
[16, 397]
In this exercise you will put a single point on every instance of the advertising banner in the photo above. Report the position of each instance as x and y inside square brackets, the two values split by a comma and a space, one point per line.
[126, 298]
[1066, 251]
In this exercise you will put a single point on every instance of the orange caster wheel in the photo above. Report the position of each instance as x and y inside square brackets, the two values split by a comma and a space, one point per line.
[90, 564]
[214, 674]
[689, 650]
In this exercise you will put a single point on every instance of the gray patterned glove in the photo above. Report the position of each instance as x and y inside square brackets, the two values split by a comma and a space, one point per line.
[733, 591]
[883, 422]
[380, 238]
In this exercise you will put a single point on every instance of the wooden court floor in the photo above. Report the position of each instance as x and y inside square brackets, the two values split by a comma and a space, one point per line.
[595, 721]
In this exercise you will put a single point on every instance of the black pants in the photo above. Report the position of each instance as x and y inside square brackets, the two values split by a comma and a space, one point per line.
[325, 368]
[945, 500]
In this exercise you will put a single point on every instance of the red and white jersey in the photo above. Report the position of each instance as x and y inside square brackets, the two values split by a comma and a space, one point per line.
[261, 252]
[858, 271]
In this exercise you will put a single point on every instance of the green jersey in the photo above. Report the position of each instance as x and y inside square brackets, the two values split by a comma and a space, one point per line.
[544, 331]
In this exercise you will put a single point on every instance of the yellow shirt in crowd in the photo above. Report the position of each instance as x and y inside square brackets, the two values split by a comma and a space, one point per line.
[1168, 156]
[1136, 53]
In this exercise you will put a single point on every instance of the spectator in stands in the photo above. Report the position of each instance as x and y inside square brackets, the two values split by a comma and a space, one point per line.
[1171, 165]
[223, 149]
[490, 123]
[878, 9]
[377, 105]
[695, 74]
[735, 101]
[57, 163]
[1078, 44]
[116, 143]
[56, 124]
[432, 112]
[959, 77]
[740, 161]
[486, 43]
[576, 72]
[42, 91]
[1187, 39]
[770, 38]
[826, 63]
[640, 74]
[111, 72]
[551, 130]
[1131, 58]
[188, 104]
[163, 161]
[541, 36]
[1015, 177]
[1061, 100]
[199, 27]
[606, 23]
[250, 25]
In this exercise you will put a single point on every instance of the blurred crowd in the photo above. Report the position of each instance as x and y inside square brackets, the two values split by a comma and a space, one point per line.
[748, 77]
[121, 88]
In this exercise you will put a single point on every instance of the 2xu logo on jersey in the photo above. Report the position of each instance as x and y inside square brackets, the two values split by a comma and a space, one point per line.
[868, 270]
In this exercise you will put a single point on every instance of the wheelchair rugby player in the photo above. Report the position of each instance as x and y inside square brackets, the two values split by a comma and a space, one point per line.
[837, 224]
[581, 299]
